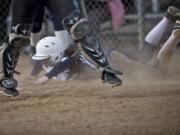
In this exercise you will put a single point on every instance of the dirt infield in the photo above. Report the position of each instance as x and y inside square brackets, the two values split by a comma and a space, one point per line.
[88, 107]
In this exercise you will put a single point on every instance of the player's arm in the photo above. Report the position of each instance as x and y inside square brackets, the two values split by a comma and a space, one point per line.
[59, 68]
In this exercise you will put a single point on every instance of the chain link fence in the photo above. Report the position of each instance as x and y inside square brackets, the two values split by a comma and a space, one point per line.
[138, 18]
[4, 10]
[117, 23]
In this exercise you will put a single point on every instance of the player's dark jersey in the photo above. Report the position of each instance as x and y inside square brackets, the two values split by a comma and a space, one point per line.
[68, 66]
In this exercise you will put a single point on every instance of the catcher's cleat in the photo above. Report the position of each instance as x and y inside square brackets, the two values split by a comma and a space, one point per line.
[173, 13]
[113, 71]
[110, 76]
[9, 87]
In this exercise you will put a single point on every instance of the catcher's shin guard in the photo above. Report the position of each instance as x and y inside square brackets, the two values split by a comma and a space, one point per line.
[82, 33]
[8, 61]
[9, 55]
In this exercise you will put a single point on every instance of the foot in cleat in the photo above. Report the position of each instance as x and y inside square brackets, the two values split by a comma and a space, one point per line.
[10, 92]
[111, 77]
[113, 71]
[9, 87]
[173, 13]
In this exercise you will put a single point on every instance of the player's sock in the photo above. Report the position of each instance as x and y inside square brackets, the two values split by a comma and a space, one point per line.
[155, 35]
[64, 36]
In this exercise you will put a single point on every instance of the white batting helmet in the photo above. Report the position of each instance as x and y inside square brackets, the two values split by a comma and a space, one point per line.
[50, 47]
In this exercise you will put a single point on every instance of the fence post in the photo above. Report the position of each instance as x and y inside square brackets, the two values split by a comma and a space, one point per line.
[155, 6]
[83, 9]
[141, 22]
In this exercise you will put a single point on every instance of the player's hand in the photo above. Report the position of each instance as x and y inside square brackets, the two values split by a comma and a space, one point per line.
[42, 80]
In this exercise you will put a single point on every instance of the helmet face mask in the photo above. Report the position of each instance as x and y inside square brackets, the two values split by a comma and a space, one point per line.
[50, 47]
[46, 62]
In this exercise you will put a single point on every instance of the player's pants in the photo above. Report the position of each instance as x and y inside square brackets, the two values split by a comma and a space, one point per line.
[39, 16]
[23, 10]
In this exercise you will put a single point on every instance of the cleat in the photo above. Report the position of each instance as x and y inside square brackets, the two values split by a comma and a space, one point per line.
[173, 13]
[113, 71]
[111, 78]
[9, 87]
[10, 92]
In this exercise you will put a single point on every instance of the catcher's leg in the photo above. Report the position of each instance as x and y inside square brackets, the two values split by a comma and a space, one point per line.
[9, 55]
[81, 32]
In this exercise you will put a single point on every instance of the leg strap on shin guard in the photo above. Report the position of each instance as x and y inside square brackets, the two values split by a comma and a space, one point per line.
[9, 58]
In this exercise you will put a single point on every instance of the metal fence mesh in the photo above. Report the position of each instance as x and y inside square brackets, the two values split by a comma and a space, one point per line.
[126, 34]
[4, 10]
[102, 14]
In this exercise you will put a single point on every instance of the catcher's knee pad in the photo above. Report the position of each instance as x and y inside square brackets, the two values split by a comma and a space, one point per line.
[78, 27]
[19, 33]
